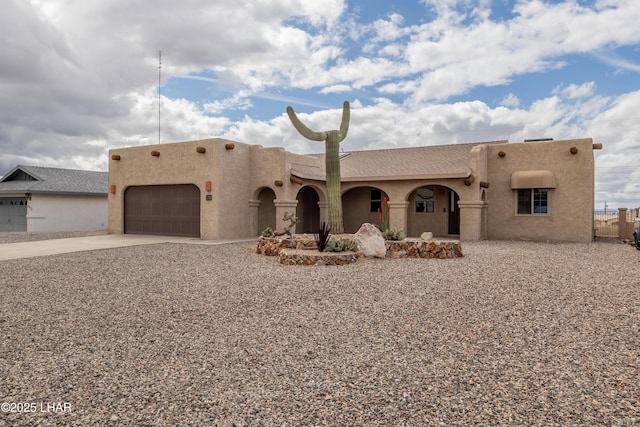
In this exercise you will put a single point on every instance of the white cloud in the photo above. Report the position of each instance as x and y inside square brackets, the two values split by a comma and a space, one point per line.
[574, 91]
[510, 100]
[239, 101]
[492, 53]
[335, 89]
[80, 76]
[615, 61]
[388, 30]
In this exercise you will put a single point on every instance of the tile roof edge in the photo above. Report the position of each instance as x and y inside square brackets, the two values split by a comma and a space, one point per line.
[461, 144]
[450, 175]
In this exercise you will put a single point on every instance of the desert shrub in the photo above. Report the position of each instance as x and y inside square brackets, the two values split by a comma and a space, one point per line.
[341, 245]
[383, 215]
[268, 232]
[322, 236]
[393, 234]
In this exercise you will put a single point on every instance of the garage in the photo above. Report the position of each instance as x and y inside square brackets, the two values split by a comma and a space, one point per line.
[13, 214]
[169, 210]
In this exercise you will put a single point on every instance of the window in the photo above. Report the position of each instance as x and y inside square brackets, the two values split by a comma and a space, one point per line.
[376, 200]
[425, 200]
[533, 201]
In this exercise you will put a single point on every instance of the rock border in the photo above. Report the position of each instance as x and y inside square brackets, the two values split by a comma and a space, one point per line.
[301, 250]
[313, 257]
[418, 248]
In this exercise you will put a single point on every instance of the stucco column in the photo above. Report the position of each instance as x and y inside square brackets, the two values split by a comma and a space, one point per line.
[484, 231]
[283, 206]
[470, 219]
[324, 212]
[622, 224]
[115, 213]
[254, 211]
[398, 215]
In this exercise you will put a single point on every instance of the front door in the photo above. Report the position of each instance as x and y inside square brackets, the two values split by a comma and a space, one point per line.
[454, 213]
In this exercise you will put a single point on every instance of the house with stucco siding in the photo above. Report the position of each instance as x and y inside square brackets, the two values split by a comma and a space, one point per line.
[218, 189]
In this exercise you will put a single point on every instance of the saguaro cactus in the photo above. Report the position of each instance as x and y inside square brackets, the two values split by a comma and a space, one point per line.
[332, 140]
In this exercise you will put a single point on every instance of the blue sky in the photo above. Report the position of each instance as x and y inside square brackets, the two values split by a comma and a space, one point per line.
[80, 77]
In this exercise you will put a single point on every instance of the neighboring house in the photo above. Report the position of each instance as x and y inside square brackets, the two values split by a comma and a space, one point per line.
[34, 198]
[217, 189]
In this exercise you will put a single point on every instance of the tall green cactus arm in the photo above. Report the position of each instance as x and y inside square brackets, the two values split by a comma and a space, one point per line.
[332, 139]
[344, 124]
[304, 130]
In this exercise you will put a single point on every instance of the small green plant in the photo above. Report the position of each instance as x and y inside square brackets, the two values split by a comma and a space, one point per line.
[393, 234]
[341, 245]
[268, 232]
[322, 236]
[293, 220]
[383, 215]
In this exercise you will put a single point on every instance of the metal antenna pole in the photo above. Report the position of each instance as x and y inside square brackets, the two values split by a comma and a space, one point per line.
[159, 83]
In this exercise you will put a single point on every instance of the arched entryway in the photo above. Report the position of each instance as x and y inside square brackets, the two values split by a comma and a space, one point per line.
[360, 205]
[266, 210]
[308, 210]
[433, 208]
[454, 213]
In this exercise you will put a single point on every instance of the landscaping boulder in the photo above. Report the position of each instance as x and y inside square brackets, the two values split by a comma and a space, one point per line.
[427, 235]
[370, 241]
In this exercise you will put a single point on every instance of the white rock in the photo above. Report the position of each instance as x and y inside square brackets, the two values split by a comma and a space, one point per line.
[427, 235]
[370, 241]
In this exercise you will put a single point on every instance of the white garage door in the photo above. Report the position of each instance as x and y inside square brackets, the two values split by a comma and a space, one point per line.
[13, 214]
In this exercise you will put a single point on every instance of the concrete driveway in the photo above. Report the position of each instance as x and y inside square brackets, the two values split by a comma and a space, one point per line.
[91, 243]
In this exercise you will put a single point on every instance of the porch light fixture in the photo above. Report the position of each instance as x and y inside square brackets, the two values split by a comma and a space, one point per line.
[112, 189]
[207, 186]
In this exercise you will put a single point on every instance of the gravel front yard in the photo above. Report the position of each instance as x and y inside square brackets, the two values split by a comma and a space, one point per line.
[17, 236]
[514, 333]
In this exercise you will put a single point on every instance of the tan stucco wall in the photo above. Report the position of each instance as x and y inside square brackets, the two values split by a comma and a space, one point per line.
[356, 208]
[435, 222]
[401, 196]
[179, 163]
[266, 210]
[238, 177]
[571, 202]
[241, 208]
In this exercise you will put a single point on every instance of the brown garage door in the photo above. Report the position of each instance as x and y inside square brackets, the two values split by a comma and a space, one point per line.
[171, 210]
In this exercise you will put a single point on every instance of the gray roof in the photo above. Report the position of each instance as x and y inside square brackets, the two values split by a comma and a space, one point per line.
[38, 179]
